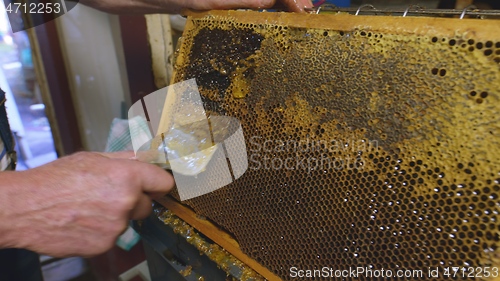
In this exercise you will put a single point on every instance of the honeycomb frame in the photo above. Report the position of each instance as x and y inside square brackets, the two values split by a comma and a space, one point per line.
[404, 109]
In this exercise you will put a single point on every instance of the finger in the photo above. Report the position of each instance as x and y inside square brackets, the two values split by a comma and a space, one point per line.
[233, 4]
[152, 179]
[307, 4]
[143, 208]
[118, 154]
[294, 6]
[298, 6]
[156, 195]
[151, 156]
[148, 156]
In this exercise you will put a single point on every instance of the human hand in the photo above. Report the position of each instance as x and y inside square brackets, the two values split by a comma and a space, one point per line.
[79, 204]
[176, 6]
[292, 5]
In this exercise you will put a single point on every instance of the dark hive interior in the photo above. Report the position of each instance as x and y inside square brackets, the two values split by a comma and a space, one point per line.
[367, 146]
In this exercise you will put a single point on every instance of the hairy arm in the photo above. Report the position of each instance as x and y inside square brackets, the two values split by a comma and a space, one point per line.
[77, 205]
[176, 6]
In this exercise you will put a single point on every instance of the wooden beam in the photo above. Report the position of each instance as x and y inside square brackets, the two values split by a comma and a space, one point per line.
[217, 235]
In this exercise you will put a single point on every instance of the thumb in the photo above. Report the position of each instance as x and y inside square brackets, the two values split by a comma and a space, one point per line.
[118, 154]
[154, 180]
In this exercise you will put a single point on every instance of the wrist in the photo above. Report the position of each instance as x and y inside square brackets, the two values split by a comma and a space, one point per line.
[8, 186]
[7, 236]
[19, 201]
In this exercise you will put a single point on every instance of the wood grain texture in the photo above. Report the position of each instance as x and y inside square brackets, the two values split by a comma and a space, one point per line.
[219, 236]
[408, 25]
[160, 40]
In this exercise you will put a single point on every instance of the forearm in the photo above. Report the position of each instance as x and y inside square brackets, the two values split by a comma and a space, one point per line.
[40, 207]
[24, 196]
[176, 6]
[168, 6]
[10, 193]
[132, 7]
